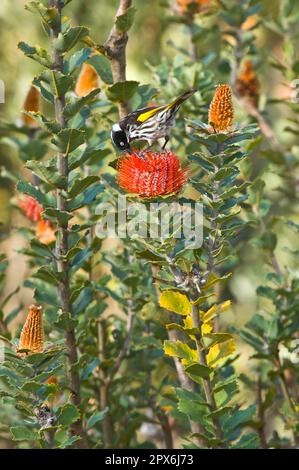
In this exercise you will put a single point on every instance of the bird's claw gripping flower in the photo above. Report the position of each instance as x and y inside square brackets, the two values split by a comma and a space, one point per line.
[221, 113]
[32, 334]
[156, 174]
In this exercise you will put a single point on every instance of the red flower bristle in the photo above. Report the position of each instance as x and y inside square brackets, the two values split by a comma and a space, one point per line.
[151, 174]
[31, 208]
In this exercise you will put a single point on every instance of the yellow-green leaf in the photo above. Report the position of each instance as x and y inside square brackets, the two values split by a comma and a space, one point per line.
[215, 310]
[198, 370]
[218, 353]
[181, 350]
[176, 302]
[210, 339]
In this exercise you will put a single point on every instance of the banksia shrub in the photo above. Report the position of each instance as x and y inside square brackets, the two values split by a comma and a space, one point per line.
[248, 84]
[151, 174]
[31, 103]
[88, 80]
[221, 113]
[32, 334]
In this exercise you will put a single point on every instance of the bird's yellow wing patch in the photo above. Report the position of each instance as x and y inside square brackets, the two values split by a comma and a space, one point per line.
[148, 114]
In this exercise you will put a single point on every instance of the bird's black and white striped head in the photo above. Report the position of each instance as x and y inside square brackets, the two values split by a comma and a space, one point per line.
[119, 137]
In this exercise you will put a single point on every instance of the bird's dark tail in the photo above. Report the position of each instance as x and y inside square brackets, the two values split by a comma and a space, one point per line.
[178, 101]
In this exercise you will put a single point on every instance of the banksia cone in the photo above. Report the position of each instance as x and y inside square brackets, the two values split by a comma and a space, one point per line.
[52, 380]
[32, 103]
[32, 334]
[53, 399]
[248, 84]
[221, 114]
[191, 6]
[152, 174]
[250, 22]
[31, 208]
[88, 80]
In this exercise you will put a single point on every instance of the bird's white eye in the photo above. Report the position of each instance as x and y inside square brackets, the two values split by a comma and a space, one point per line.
[121, 144]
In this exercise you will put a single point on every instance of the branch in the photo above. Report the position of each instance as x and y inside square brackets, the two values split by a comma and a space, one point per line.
[261, 414]
[286, 393]
[166, 428]
[126, 345]
[104, 386]
[203, 361]
[62, 239]
[115, 47]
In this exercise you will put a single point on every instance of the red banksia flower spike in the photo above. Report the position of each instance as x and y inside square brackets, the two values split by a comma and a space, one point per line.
[31, 103]
[31, 208]
[221, 113]
[32, 334]
[88, 80]
[154, 174]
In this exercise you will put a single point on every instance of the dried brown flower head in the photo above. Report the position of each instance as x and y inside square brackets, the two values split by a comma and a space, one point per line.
[248, 84]
[32, 334]
[221, 113]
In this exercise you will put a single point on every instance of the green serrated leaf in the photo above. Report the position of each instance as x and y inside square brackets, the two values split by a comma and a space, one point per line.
[76, 104]
[76, 60]
[80, 184]
[70, 38]
[36, 53]
[68, 414]
[103, 67]
[67, 140]
[124, 22]
[96, 417]
[27, 188]
[122, 91]
[20, 433]
[198, 370]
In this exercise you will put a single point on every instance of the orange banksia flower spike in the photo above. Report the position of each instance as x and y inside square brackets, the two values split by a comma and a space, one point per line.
[88, 80]
[250, 22]
[32, 334]
[45, 232]
[151, 174]
[248, 84]
[221, 113]
[191, 6]
[32, 103]
[54, 397]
